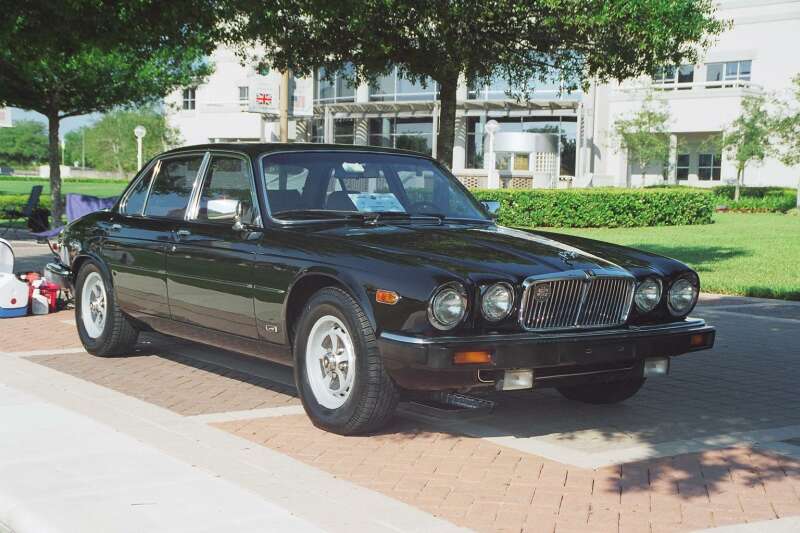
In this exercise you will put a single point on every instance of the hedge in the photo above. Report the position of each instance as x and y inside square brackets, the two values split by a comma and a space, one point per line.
[610, 208]
[757, 199]
[18, 201]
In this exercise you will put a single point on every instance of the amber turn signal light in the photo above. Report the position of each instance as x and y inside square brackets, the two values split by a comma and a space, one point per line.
[697, 340]
[472, 358]
[386, 297]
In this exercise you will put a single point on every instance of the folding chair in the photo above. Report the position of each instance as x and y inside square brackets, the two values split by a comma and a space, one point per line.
[14, 215]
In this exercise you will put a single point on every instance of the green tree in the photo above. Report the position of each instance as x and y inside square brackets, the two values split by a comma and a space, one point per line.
[74, 144]
[645, 136]
[71, 58]
[748, 139]
[788, 129]
[23, 144]
[111, 145]
[477, 40]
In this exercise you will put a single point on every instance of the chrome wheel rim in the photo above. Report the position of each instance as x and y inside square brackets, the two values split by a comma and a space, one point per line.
[330, 362]
[94, 305]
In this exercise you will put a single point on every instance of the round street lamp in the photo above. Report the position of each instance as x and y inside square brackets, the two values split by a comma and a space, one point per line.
[491, 128]
[139, 132]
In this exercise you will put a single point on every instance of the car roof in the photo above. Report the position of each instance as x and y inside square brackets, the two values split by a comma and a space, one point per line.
[255, 149]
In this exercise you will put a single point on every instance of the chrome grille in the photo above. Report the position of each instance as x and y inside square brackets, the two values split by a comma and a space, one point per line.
[576, 302]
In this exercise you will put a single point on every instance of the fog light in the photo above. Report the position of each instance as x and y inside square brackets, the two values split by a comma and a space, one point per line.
[472, 358]
[517, 379]
[656, 366]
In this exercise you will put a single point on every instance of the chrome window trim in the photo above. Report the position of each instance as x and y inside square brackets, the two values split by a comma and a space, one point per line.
[123, 203]
[176, 155]
[191, 214]
[584, 275]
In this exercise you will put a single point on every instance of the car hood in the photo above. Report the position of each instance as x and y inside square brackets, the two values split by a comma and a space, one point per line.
[491, 249]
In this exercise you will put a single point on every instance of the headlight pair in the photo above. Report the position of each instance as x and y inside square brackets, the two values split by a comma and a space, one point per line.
[681, 297]
[449, 304]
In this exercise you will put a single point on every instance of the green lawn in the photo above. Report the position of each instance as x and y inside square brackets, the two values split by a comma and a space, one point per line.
[100, 188]
[744, 254]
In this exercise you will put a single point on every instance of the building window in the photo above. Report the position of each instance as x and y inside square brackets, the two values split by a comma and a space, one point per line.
[666, 77]
[244, 94]
[189, 98]
[394, 88]
[407, 133]
[709, 167]
[522, 162]
[337, 89]
[343, 131]
[500, 89]
[731, 71]
[682, 167]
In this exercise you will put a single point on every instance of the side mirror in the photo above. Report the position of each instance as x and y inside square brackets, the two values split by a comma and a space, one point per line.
[237, 218]
[491, 207]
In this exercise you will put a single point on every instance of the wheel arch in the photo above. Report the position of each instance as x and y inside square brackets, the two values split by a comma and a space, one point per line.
[82, 258]
[311, 281]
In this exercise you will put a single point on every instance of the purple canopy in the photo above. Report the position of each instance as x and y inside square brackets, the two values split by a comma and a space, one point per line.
[79, 205]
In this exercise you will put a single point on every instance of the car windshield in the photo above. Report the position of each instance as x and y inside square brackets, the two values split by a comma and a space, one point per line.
[344, 185]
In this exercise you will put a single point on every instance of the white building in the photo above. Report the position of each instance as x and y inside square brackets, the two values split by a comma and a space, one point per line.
[554, 134]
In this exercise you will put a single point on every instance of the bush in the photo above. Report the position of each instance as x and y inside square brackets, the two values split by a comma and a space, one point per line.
[610, 208]
[757, 199]
[18, 201]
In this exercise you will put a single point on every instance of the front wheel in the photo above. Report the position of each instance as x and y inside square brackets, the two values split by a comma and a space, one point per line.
[338, 368]
[603, 393]
[102, 327]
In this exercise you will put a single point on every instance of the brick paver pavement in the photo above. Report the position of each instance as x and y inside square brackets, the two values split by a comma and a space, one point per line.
[475, 483]
[183, 385]
[55, 331]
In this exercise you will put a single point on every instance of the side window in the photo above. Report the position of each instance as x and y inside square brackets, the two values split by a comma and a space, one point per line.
[136, 197]
[173, 186]
[227, 184]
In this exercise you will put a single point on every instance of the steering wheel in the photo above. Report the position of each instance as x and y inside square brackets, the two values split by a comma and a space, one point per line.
[423, 207]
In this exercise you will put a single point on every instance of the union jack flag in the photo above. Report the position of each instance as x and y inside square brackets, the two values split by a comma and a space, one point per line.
[263, 98]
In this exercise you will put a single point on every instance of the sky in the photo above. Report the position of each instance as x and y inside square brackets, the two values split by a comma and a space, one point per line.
[67, 124]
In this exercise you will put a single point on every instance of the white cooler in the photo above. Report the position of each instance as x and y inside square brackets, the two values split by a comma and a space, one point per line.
[13, 292]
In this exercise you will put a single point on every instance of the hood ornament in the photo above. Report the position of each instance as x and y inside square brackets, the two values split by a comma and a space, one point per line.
[568, 256]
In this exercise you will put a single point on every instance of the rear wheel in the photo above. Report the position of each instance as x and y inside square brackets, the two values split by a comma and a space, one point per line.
[603, 393]
[102, 327]
[338, 368]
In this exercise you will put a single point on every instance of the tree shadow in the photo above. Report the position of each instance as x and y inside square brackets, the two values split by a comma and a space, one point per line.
[700, 258]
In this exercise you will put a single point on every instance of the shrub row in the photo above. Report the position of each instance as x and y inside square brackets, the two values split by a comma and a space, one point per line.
[756, 199]
[609, 208]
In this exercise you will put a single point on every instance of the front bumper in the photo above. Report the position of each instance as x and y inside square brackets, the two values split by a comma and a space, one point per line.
[574, 357]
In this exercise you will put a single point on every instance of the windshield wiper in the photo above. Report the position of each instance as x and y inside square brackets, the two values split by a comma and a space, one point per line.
[317, 214]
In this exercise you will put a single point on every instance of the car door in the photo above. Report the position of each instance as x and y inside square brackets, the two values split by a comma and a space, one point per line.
[134, 252]
[210, 263]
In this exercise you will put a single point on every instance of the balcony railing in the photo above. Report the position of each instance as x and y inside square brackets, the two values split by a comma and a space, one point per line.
[692, 87]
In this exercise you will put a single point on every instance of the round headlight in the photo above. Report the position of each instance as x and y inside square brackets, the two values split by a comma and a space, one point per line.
[497, 302]
[647, 295]
[448, 306]
[682, 296]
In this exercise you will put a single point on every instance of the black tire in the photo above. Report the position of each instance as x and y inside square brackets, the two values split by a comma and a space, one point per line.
[371, 403]
[118, 335]
[603, 393]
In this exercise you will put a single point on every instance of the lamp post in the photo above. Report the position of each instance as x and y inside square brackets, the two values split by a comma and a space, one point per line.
[493, 180]
[139, 132]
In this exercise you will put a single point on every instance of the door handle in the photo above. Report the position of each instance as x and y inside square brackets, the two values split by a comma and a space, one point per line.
[183, 233]
[116, 227]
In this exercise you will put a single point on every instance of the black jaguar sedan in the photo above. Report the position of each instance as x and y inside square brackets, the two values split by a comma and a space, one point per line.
[375, 274]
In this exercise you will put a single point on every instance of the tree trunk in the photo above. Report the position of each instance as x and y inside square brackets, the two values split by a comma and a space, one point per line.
[445, 138]
[739, 172]
[55, 168]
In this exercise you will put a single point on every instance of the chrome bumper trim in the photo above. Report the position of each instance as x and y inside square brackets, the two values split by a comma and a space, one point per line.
[686, 325]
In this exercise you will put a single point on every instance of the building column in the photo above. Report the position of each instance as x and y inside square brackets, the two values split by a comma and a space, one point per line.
[328, 126]
[672, 163]
[435, 130]
[579, 145]
[361, 134]
[460, 144]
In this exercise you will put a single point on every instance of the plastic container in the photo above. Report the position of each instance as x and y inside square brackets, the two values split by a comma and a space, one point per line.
[40, 304]
[13, 296]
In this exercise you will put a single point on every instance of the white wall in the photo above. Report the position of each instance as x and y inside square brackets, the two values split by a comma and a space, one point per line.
[765, 32]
